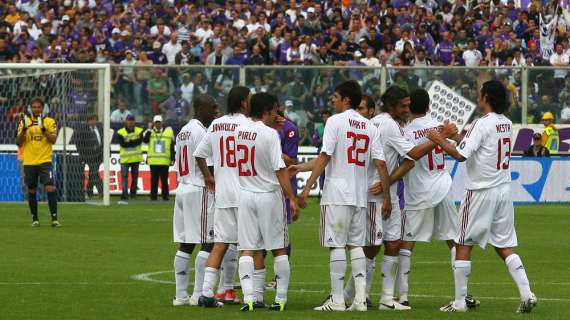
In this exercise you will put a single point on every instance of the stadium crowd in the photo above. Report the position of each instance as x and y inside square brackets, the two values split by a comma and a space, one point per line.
[397, 33]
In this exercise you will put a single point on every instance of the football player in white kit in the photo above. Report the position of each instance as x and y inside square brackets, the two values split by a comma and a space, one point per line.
[487, 212]
[262, 216]
[430, 212]
[395, 110]
[219, 145]
[193, 209]
[350, 142]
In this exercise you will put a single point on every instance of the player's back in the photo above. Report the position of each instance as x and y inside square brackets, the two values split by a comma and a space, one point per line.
[487, 147]
[347, 140]
[220, 144]
[258, 152]
[187, 141]
[428, 182]
[394, 142]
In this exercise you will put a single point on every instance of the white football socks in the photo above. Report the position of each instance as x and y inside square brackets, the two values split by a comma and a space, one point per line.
[210, 278]
[246, 278]
[388, 279]
[518, 273]
[453, 251]
[461, 272]
[337, 271]
[259, 284]
[229, 268]
[282, 275]
[199, 266]
[370, 268]
[358, 264]
[181, 263]
[404, 262]
[349, 291]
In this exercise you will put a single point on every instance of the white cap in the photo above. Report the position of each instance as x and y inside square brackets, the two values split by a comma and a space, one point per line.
[44, 21]
[288, 103]
[156, 45]
[311, 10]
[157, 118]
[116, 30]
[65, 18]
[125, 33]
[357, 54]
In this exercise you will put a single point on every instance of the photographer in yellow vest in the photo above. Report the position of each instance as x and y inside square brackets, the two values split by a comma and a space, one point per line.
[36, 135]
[160, 155]
[550, 138]
[130, 140]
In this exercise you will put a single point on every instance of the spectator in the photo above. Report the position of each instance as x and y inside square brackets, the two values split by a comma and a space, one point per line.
[472, 56]
[142, 75]
[370, 60]
[120, 114]
[565, 113]
[127, 80]
[157, 88]
[157, 56]
[187, 88]
[184, 56]
[537, 149]
[559, 59]
[294, 54]
[176, 109]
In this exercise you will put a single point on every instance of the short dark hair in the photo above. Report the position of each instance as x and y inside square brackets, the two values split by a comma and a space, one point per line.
[419, 101]
[92, 117]
[350, 89]
[495, 93]
[236, 96]
[369, 102]
[262, 102]
[37, 99]
[392, 96]
[202, 101]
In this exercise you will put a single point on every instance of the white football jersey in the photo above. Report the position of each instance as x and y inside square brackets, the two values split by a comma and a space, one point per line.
[219, 144]
[187, 141]
[373, 176]
[428, 183]
[258, 152]
[395, 144]
[349, 139]
[487, 148]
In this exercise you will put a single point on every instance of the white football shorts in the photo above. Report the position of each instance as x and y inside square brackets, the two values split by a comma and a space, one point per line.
[487, 216]
[374, 224]
[262, 221]
[193, 220]
[392, 227]
[225, 225]
[342, 225]
[439, 222]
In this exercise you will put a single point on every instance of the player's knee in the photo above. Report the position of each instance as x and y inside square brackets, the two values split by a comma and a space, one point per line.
[186, 247]
[504, 252]
[371, 252]
[279, 252]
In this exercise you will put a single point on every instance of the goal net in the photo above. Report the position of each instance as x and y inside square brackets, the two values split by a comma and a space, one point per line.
[77, 98]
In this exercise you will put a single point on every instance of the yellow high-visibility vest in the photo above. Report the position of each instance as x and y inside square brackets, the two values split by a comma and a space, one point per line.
[550, 134]
[132, 154]
[159, 147]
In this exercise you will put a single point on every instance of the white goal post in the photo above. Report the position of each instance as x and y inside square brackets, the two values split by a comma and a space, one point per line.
[58, 80]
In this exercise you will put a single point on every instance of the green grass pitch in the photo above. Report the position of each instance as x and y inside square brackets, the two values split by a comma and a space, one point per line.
[86, 269]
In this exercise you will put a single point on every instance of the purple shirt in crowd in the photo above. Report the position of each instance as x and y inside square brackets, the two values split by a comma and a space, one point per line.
[289, 136]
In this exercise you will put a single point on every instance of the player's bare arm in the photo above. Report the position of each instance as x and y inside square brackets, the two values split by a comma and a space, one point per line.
[301, 167]
[288, 160]
[319, 165]
[450, 149]
[208, 177]
[396, 175]
[385, 183]
[283, 179]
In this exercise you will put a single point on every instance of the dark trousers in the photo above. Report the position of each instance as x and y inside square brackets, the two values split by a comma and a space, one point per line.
[134, 167]
[94, 180]
[156, 172]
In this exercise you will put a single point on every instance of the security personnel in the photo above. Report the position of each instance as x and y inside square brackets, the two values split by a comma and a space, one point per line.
[130, 140]
[36, 135]
[160, 155]
[550, 138]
